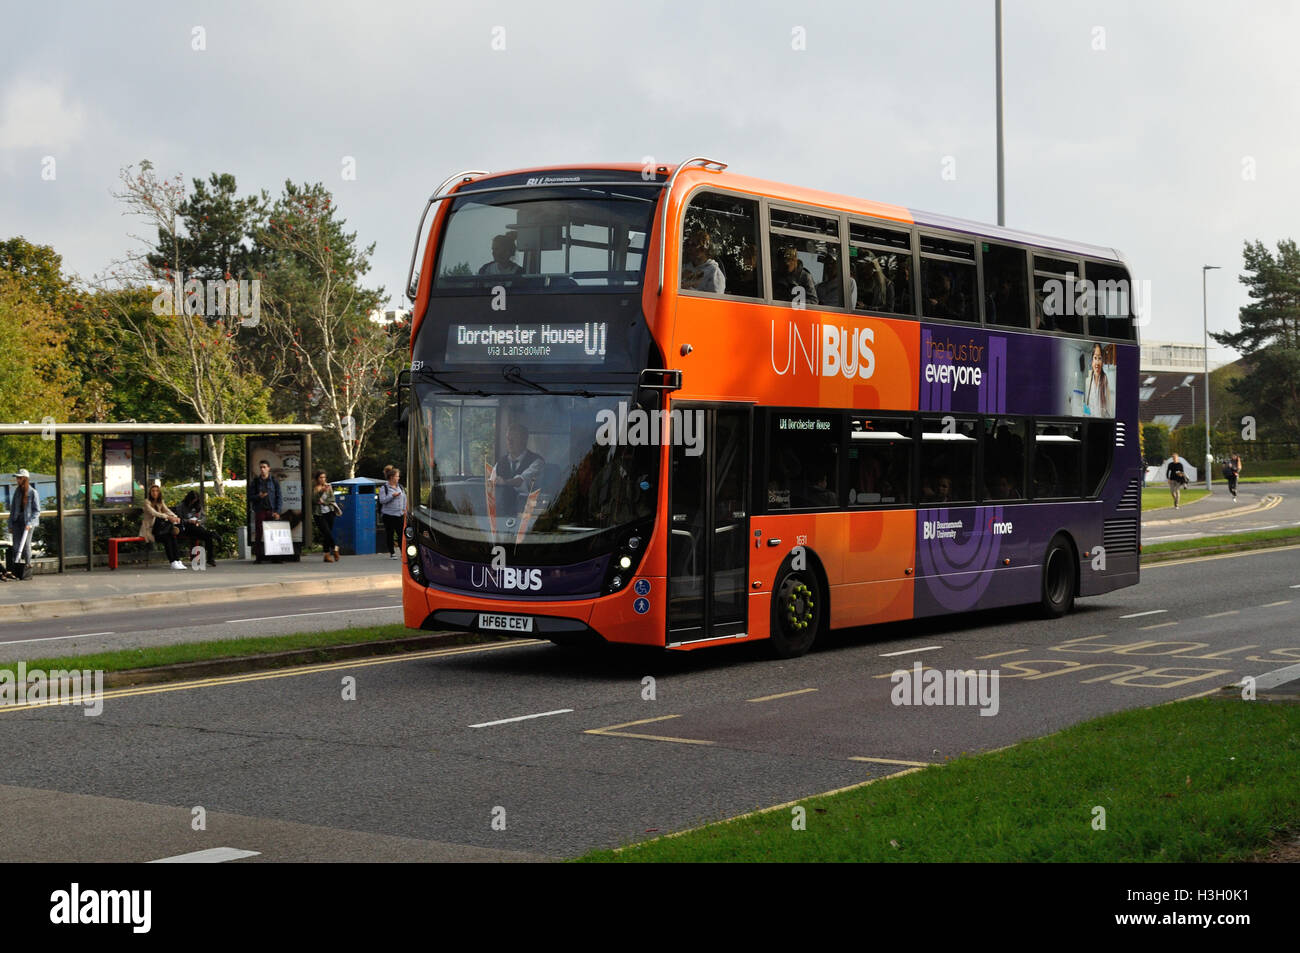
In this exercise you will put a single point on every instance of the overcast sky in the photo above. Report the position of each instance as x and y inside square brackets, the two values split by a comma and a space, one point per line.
[1168, 130]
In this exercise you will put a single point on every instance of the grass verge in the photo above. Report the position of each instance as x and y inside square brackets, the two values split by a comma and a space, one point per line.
[1158, 498]
[1206, 780]
[1231, 543]
[128, 659]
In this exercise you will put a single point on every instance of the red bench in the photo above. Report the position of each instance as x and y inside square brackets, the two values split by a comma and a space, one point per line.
[112, 548]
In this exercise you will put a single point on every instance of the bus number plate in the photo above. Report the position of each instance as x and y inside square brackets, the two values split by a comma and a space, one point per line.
[505, 623]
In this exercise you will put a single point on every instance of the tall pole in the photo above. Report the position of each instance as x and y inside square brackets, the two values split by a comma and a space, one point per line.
[1002, 209]
[1205, 344]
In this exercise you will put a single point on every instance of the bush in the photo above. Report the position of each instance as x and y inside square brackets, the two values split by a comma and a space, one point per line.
[225, 515]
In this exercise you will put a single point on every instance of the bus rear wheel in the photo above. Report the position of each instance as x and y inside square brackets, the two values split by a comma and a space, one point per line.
[1058, 579]
[797, 612]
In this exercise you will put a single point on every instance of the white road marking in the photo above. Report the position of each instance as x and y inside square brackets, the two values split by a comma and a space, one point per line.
[53, 638]
[928, 648]
[1279, 676]
[298, 615]
[1269, 605]
[213, 855]
[1216, 615]
[1138, 615]
[540, 714]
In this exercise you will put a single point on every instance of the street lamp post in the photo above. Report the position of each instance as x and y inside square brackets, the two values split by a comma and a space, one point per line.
[997, 14]
[1205, 343]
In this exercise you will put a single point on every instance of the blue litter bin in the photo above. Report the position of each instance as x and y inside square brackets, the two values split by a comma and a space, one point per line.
[355, 528]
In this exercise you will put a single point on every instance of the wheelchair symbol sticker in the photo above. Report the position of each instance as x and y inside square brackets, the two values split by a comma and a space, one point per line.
[642, 587]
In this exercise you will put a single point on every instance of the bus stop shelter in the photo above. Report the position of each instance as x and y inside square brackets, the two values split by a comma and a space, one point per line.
[102, 471]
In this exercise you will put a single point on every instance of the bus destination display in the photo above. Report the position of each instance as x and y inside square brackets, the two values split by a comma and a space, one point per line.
[583, 343]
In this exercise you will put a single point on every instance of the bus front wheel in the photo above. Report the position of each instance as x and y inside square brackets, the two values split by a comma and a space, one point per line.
[1058, 579]
[797, 612]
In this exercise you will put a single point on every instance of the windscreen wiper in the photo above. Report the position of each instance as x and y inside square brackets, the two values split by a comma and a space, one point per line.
[431, 376]
[516, 376]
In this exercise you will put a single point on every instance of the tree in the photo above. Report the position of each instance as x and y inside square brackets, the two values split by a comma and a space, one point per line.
[317, 313]
[1269, 337]
[191, 355]
[35, 379]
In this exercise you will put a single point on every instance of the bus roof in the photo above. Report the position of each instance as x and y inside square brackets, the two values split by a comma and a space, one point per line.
[693, 176]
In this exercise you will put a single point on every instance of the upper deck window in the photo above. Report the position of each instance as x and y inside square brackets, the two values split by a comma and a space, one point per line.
[948, 279]
[720, 246]
[806, 261]
[560, 240]
[880, 266]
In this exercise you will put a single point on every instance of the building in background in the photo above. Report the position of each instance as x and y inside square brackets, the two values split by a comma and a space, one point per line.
[1171, 383]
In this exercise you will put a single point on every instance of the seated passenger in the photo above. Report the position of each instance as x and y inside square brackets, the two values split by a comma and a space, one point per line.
[503, 255]
[940, 492]
[871, 279]
[790, 274]
[699, 271]
[817, 492]
[1004, 488]
[828, 291]
[746, 282]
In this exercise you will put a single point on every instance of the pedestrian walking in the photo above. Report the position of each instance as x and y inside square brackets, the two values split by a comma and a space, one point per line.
[325, 508]
[392, 505]
[1232, 471]
[1176, 477]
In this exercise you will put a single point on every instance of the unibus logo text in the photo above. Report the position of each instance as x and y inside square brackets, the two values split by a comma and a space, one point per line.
[824, 349]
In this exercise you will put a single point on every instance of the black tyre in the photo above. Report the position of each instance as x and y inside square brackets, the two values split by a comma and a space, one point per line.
[797, 613]
[1058, 579]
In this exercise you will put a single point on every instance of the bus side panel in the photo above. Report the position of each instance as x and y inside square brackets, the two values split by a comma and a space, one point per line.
[876, 585]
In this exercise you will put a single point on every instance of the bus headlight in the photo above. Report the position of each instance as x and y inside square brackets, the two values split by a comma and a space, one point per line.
[624, 562]
[412, 551]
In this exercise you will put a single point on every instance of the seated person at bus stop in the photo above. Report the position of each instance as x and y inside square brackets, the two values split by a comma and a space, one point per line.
[516, 471]
[503, 257]
[699, 271]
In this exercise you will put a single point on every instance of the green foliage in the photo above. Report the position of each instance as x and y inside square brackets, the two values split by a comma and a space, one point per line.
[1269, 337]
[1155, 442]
[35, 380]
[225, 515]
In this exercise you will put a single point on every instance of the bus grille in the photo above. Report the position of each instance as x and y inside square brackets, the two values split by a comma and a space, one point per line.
[1128, 503]
[1120, 536]
[1121, 431]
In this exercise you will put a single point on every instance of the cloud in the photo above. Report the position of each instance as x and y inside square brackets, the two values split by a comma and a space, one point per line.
[36, 114]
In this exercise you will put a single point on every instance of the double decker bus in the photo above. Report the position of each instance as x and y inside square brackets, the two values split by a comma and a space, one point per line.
[681, 407]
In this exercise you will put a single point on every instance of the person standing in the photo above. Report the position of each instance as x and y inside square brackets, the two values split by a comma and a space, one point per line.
[325, 509]
[392, 504]
[1232, 471]
[1176, 477]
[264, 497]
[24, 517]
[160, 525]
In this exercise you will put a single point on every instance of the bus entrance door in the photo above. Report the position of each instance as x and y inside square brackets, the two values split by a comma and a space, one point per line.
[708, 503]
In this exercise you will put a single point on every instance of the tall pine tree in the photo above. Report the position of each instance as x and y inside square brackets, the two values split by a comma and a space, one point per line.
[1269, 340]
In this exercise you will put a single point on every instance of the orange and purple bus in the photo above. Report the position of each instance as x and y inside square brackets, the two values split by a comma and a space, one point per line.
[680, 407]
